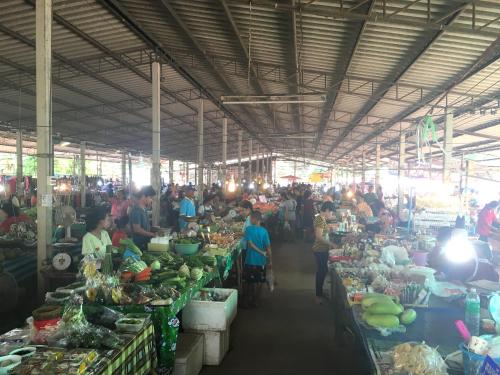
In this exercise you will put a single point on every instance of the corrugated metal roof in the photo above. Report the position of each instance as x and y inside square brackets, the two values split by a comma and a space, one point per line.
[384, 63]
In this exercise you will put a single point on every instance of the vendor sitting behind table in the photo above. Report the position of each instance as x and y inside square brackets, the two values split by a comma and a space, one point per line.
[97, 238]
[186, 208]
[363, 209]
[10, 214]
[206, 209]
[139, 220]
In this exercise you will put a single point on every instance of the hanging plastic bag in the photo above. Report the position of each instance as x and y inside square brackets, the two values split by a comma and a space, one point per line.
[270, 279]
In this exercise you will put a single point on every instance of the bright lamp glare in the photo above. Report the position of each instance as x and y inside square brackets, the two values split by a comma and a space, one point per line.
[325, 189]
[266, 185]
[231, 186]
[349, 194]
[458, 249]
[2, 188]
[251, 186]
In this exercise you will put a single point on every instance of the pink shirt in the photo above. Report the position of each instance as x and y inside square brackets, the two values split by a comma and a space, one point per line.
[485, 221]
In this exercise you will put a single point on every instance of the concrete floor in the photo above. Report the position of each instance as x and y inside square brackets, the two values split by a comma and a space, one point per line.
[289, 334]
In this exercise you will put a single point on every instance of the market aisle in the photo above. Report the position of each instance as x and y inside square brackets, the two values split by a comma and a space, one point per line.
[288, 334]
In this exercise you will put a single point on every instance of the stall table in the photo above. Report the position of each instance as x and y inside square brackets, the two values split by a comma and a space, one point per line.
[434, 325]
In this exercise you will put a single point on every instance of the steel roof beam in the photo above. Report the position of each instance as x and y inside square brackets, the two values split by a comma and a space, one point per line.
[85, 70]
[241, 44]
[115, 8]
[215, 70]
[333, 92]
[394, 77]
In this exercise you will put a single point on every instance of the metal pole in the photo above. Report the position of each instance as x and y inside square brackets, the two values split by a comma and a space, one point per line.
[83, 182]
[186, 166]
[257, 162]
[448, 144]
[124, 170]
[19, 168]
[224, 153]
[240, 146]
[200, 151]
[43, 37]
[249, 160]
[156, 167]
[401, 166]
[377, 165]
[170, 171]
[130, 190]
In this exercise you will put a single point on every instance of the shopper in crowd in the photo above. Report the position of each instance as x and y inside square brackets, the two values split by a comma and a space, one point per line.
[370, 197]
[486, 220]
[288, 205]
[11, 214]
[321, 246]
[119, 205]
[139, 220]
[308, 216]
[186, 208]
[120, 233]
[206, 208]
[258, 258]
[362, 208]
[96, 239]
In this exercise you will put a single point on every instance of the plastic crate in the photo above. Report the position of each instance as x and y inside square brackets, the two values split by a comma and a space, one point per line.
[189, 354]
[210, 315]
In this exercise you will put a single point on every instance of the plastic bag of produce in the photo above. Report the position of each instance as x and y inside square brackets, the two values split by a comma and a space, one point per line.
[418, 359]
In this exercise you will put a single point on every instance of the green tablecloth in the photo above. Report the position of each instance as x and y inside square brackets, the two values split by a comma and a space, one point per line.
[226, 263]
[434, 325]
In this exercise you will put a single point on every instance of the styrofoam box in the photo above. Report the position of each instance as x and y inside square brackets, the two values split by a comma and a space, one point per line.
[210, 315]
[215, 346]
[189, 354]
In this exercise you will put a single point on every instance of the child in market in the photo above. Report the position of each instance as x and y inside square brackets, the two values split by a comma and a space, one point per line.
[257, 259]
[120, 232]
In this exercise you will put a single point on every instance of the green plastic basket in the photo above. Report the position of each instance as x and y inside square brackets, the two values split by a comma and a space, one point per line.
[187, 249]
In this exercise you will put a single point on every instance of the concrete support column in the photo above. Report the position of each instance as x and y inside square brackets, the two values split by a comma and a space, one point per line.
[200, 151]
[186, 171]
[377, 165]
[43, 35]
[240, 146]
[363, 175]
[249, 161]
[124, 170]
[83, 178]
[224, 154]
[19, 167]
[171, 171]
[448, 145]
[155, 139]
[257, 165]
[401, 167]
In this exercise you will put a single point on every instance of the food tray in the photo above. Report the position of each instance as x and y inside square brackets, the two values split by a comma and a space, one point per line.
[132, 325]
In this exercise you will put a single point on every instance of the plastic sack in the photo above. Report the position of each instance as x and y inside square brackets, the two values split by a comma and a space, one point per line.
[418, 359]
[392, 255]
[270, 279]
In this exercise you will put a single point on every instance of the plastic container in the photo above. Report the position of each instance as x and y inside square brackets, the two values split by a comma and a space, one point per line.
[144, 316]
[133, 325]
[215, 346]
[472, 361]
[24, 352]
[189, 354]
[187, 248]
[420, 258]
[473, 312]
[211, 315]
[8, 362]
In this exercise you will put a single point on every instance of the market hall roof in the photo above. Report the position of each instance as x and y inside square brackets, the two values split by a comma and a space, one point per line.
[381, 65]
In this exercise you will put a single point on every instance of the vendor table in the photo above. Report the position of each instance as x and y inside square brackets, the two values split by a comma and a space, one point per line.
[165, 318]
[434, 325]
[136, 356]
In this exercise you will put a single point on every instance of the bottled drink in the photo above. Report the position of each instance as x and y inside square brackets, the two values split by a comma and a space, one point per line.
[472, 312]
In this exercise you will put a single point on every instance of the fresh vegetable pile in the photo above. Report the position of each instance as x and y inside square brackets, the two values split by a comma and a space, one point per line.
[382, 311]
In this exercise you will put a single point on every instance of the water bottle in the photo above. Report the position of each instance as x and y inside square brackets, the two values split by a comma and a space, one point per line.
[472, 312]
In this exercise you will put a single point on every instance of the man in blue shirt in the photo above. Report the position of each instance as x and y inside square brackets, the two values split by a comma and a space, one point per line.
[257, 258]
[186, 208]
[139, 219]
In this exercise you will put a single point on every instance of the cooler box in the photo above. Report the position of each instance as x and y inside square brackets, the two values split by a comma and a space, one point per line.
[189, 354]
[215, 346]
[210, 315]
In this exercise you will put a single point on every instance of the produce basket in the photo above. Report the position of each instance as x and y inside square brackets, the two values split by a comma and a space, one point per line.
[187, 249]
[472, 361]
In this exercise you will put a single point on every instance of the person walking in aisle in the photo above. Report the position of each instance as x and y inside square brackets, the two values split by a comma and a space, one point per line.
[321, 246]
[257, 260]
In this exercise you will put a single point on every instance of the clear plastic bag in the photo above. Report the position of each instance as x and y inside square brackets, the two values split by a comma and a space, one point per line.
[417, 359]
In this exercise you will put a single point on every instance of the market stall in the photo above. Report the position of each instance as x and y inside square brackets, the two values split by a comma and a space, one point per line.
[383, 301]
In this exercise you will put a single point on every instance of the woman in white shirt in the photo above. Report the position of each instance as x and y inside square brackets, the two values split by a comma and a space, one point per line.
[97, 238]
